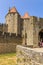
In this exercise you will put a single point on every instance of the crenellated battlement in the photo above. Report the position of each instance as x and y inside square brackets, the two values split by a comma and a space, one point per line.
[3, 27]
[36, 18]
[1, 24]
[11, 35]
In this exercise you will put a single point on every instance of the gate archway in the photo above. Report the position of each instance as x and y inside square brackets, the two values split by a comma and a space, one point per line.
[41, 38]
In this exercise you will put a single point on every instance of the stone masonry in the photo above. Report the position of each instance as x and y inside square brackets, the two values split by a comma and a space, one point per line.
[8, 42]
[29, 56]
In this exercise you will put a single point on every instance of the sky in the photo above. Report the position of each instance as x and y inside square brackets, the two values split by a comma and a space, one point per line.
[33, 7]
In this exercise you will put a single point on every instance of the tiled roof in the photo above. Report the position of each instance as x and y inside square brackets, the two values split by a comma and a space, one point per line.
[25, 16]
[13, 10]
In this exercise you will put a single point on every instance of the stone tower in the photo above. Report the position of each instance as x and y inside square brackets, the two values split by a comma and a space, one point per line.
[25, 28]
[13, 21]
[30, 30]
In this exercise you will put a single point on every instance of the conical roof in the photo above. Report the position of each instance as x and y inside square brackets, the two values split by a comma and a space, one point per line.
[26, 15]
[13, 10]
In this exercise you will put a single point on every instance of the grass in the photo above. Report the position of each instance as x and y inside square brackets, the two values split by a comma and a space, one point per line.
[8, 59]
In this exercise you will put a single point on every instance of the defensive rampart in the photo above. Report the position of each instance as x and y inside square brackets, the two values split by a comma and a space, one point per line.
[8, 42]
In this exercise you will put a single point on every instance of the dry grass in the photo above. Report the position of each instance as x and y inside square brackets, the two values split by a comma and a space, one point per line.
[8, 59]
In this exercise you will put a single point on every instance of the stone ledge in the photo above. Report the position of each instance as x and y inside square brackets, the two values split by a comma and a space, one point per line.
[29, 56]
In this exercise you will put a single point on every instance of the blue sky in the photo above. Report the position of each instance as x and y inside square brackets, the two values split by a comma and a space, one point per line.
[33, 7]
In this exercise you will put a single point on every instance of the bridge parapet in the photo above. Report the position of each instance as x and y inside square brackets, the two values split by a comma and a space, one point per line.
[29, 56]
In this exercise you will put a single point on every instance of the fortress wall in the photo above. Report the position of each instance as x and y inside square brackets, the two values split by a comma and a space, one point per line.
[3, 27]
[30, 32]
[8, 42]
[35, 31]
[7, 47]
[40, 24]
[29, 56]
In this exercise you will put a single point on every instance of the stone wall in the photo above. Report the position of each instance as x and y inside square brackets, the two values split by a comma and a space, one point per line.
[8, 42]
[7, 48]
[29, 56]
[3, 27]
[13, 20]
